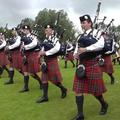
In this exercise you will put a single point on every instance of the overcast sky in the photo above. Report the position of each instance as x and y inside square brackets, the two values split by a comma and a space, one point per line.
[13, 11]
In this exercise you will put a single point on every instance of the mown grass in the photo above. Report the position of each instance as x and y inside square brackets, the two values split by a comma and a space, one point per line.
[22, 106]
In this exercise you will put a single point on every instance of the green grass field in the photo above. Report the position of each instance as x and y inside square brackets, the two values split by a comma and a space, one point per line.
[22, 106]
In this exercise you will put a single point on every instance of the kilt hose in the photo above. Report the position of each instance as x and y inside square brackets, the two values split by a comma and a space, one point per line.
[33, 62]
[3, 58]
[16, 59]
[69, 56]
[53, 72]
[93, 82]
[107, 67]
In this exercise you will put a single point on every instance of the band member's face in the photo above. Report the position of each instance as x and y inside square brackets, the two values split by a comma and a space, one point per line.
[105, 36]
[26, 31]
[49, 32]
[86, 25]
[14, 32]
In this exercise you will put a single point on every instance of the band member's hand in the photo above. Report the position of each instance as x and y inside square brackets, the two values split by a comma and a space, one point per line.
[42, 53]
[22, 50]
[22, 47]
[76, 56]
[81, 50]
[6, 49]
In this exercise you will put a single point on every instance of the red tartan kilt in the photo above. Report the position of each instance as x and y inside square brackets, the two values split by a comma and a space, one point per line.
[93, 82]
[69, 56]
[33, 63]
[3, 58]
[16, 59]
[53, 74]
[108, 67]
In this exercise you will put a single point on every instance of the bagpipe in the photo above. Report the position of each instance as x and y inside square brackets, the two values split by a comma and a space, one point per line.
[59, 34]
[108, 44]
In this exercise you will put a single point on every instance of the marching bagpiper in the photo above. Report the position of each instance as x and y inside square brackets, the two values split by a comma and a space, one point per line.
[13, 52]
[108, 67]
[30, 57]
[52, 73]
[69, 54]
[88, 77]
[3, 57]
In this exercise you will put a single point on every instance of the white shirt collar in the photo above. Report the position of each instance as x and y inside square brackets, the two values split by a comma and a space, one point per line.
[28, 35]
[88, 31]
[50, 37]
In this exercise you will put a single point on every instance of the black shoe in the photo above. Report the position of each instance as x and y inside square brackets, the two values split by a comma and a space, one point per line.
[41, 87]
[78, 117]
[112, 81]
[8, 82]
[104, 109]
[24, 90]
[64, 93]
[73, 65]
[42, 99]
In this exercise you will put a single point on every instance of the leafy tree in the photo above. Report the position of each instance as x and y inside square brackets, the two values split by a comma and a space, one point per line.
[6, 32]
[26, 21]
[60, 21]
